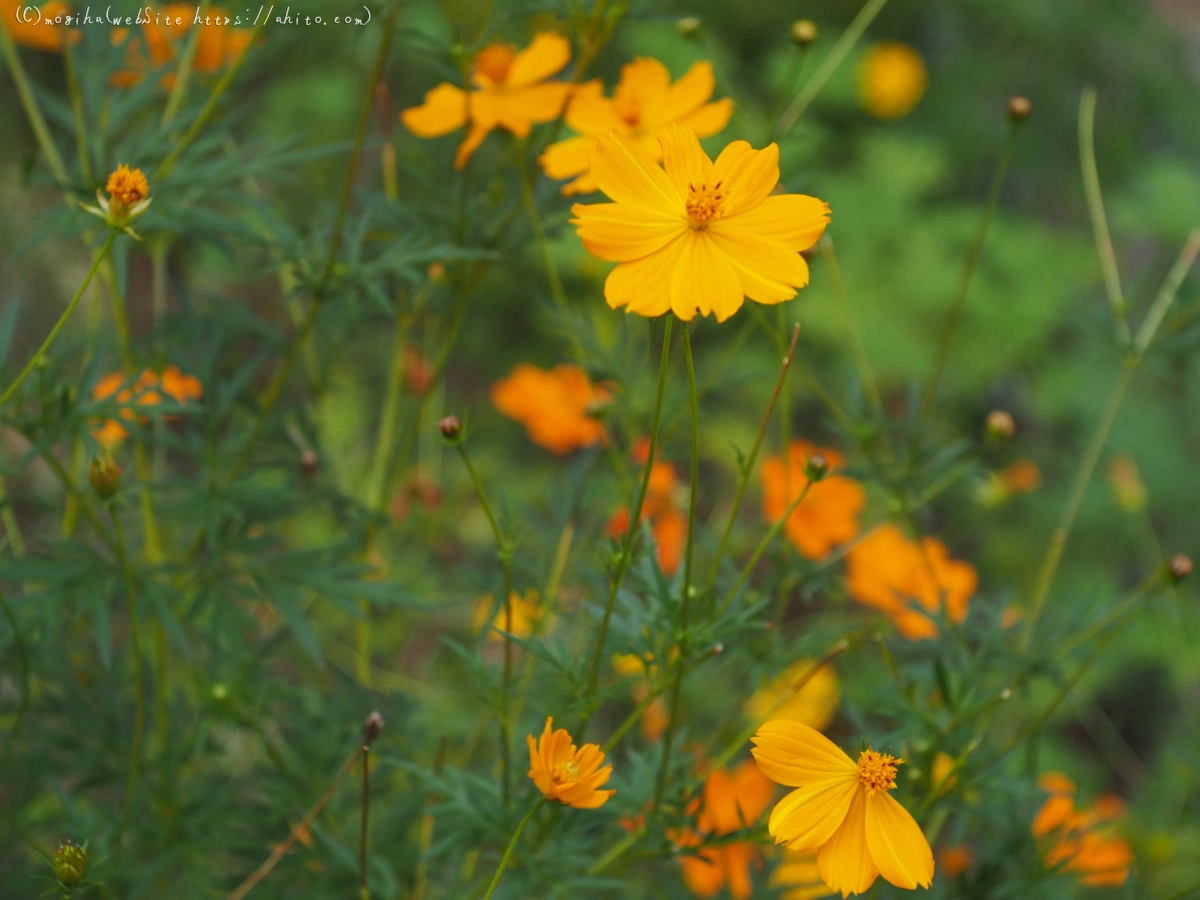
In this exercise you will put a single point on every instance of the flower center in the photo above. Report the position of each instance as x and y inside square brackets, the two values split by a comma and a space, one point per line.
[127, 186]
[877, 771]
[704, 203]
[566, 772]
[629, 109]
[494, 61]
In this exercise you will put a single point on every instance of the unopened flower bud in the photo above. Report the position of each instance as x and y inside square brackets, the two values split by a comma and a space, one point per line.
[70, 864]
[450, 427]
[436, 272]
[1000, 425]
[816, 467]
[371, 728]
[1179, 568]
[804, 32]
[1019, 108]
[310, 463]
[688, 26]
[105, 476]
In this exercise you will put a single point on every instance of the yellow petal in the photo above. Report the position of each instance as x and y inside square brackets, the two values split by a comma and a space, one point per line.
[584, 184]
[807, 817]
[795, 220]
[628, 176]
[710, 118]
[620, 232]
[475, 135]
[765, 259]
[644, 285]
[537, 103]
[547, 54]
[444, 109]
[704, 280]
[897, 845]
[844, 861]
[568, 158]
[747, 175]
[590, 112]
[644, 81]
[791, 753]
[684, 160]
[685, 96]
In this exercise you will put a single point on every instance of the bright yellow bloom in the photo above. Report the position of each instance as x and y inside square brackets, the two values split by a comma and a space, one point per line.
[527, 614]
[799, 877]
[842, 810]
[644, 103]
[891, 80]
[511, 92]
[699, 236]
[812, 704]
[565, 774]
[827, 516]
[555, 406]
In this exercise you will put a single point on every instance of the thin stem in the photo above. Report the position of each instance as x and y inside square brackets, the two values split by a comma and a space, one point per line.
[81, 134]
[23, 666]
[68, 485]
[541, 801]
[62, 320]
[635, 516]
[32, 111]
[964, 281]
[828, 66]
[183, 72]
[363, 889]
[748, 464]
[135, 636]
[12, 528]
[1166, 294]
[762, 548]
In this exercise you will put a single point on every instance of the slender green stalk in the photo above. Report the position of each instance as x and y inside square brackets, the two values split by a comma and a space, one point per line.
[83, 145]
[635, 517]
[23, 667]
[1166, 294]
[964, 281]
[828, 66]
[183, 73]
[539, 233]
[68, 485]
[364, 890]
[762, 548]
[541, 801]
[135, 636]
[685, 600]
[12, 528]
[32, 111]
[62, 320]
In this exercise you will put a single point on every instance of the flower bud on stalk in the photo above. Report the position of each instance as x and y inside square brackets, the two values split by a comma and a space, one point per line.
[688, 26]
[816, 467]
[1000, 425]
[105, 475]
[70, 864]
[372, 728]
[1019, 108]
[451, 429]
[804, 32]
[1179, 568]
[128, 197]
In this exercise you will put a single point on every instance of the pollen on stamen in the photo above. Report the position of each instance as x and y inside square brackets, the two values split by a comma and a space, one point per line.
[877, 771]
[704, 204]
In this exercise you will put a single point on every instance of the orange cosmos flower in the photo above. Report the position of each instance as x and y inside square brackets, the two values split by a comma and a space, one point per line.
[35, 26]
[527, 614]
[908, 581]
[511, 92]
[668, 523]
[147, 390]
[732, 801]
[1082, 842]
[565, 774]
[554, 406]
[163, 31]
[842, 810]
[891, 80]
[798, 695]
[696, 236]
[828, 515]
[644, 102]
[655, 717]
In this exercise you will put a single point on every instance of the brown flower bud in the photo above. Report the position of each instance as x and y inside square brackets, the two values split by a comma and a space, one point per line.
[1019, 108]
[450, 428]
[105, 476]
[816, 467]
[1179, 568]
[688, 26]
[804, 32]
[1000, 425]
[310, 463]
[371, 728]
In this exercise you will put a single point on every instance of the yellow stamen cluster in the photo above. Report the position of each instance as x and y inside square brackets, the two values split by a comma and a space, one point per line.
[494, 61]
[127, 186]
[704, 203]
[877, 771]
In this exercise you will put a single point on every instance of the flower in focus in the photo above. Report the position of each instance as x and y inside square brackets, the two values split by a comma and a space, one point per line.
[668, 523]
[655, 716]
[827, 516]
[891, 80]
[566, 774]
[510, 92]
[800, 694]
[1083, 842]
[1127, 484]
[555, 405]
[527, 614]
[842, 810]
[643, 103]
[731, 801]
[908, 581]
[798, 877]
[128, 197]
[40, 33]
[147, 390]
[696, 236]
[163, 31]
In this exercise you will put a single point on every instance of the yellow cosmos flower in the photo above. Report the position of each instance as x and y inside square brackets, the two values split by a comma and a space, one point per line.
[798, 695]
[842, 810]
[644, 103]
[891, 80]
[701, 235]
[565, 774]
[527, 615]
[511, 92]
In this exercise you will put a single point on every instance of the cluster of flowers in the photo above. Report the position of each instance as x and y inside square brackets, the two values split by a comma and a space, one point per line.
[1084, 842]
[147, 390]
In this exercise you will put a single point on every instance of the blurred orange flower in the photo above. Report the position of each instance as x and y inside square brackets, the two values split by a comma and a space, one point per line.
[147, 390]
[655, 716]
[955, 860]
[511, 92]
[1083, 842]
[566, 774]
[1127, 484]
[643, 103]
[891, 80]
[555, 406]
[731, 801]
[909, 581]
[35, 27]
[828, 515]
[668, 523]
[163, 30]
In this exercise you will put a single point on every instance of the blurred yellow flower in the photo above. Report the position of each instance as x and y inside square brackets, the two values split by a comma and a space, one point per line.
[798, 877]
[828, 515]
[842, 810]
[696, 236]
[527, 614]
[813, 703]
[1127, 484]
[891, 80]
[942, 776]
[643, 103]
[34, 27]
[511, 92]
[566, 774]
[555, 406]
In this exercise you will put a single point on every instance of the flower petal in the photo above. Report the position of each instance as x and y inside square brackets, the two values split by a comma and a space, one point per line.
[517, 108]
[475, 135]
[764, 260]
[629, 176]
[545, 55]
[590, 112]
[897, 845]
[844, 862]
[748, 175]
[643, 285]
[808, 816]
[685, 161]
[566, 159]
[704, 280]
[685, 96]
[794, 220]
[621, 232]
[444, 110]
[791, 753]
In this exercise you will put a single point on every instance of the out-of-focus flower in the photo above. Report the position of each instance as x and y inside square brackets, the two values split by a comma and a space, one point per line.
[1083, 842]
[510, 92]
[941, 775]
[731, 801]
[566, 774]
[146, 391]
[1000, 425]
[828, 515]
[655, 717]
[798, 877]
[70, 864]
[643, 103]
[955, 860]
[553, 405]
[163, 30]
[42, 28]
[421, 489]
[418, 371]
[1127, 484]
[668, 523]
[891, 80]
[527, 614]
[799, 694]
[1022, 477]
[842, 810]
[696, 236]
[104, 474]
[909, 581]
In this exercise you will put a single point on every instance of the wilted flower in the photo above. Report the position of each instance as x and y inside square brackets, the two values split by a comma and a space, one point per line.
[828, 515]
[891, 80]
[566, 774]
[553, 405]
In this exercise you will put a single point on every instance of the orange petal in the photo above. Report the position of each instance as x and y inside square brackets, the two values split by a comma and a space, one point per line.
[444, 110]
[547, 54]
[897, 844]
[764, 259]
[475, 136]
[536, 103]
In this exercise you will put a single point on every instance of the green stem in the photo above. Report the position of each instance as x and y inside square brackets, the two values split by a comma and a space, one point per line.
[635, 516]
[81, 134]
[12, 528]
[863, 363]
[762, 548]
[68, 485]
[32, 111]
[511, 846]
[135, 635]
[23, 667]
[183, 72]
[1166, 294]
[62, 320]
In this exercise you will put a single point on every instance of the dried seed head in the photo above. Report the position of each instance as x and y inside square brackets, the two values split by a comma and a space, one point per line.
[804, 32]
[450, 427]
[1179, 568]
[371, 728]
[1000, 425]
[1019, 108]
